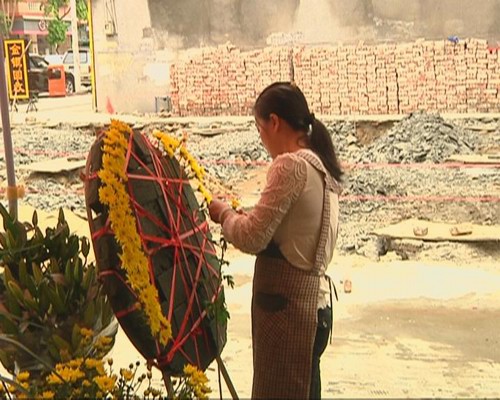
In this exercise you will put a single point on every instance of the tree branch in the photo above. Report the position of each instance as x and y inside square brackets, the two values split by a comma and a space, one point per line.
[4, 12]
[13, 15]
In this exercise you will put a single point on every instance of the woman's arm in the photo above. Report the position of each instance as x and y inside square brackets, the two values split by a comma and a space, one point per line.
[252, 232]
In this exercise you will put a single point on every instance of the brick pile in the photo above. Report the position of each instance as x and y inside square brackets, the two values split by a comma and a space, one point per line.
[225, 80]
[433, 76]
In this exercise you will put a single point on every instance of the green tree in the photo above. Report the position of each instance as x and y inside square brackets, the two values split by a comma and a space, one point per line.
[7, 12]
[57, 27]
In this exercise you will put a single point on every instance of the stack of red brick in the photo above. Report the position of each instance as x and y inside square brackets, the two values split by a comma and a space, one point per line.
[358, 79]
[225, 80]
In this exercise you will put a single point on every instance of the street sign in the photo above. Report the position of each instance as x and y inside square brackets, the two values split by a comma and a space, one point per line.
[17, 69]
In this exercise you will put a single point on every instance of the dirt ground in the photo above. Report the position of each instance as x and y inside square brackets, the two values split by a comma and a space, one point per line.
[407, 330]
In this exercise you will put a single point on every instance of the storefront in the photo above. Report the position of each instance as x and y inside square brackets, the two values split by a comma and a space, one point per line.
[36, 30]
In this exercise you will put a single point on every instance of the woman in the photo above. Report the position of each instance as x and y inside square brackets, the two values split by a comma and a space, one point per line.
[292, 230]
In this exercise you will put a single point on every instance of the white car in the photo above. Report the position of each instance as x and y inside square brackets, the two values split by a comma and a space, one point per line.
[85, 69]
[54, 59]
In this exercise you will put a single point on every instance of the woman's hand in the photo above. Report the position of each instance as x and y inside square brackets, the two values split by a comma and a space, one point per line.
[216, 209]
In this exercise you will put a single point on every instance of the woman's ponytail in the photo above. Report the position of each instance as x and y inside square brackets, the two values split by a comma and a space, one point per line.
[322, 145]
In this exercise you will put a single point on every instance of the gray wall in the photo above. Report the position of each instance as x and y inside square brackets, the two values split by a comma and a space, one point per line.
[197, 22]
[130, 70]
[132, 67]
[249, 22]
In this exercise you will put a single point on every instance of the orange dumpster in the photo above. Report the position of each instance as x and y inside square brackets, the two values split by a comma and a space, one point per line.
[57, 80]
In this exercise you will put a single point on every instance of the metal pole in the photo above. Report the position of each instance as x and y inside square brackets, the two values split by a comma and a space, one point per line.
[227, 378]
[7, 138]
[92, 54]
[75, 46]
[169, 385]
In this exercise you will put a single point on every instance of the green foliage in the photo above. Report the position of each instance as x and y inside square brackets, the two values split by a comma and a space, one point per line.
[48, 294]
[52, 7]
[81, 10]
[57, 27]
[5, 23]
[7, 12]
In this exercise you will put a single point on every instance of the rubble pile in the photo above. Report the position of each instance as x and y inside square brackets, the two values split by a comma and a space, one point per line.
[344, 139]
[420, 138]
[434, 76]
[373, 195]
[35, 143]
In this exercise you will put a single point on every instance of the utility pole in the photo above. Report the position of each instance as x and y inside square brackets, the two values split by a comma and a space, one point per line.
[75, 46]
[7, 138]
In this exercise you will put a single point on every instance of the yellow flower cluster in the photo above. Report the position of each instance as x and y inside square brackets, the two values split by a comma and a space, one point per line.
[171, 145]
[82, 378]
[23, 376]
[127, 374]
[22, 380]
[197, 381]
[69, 372]
[86, 333]
[114, 195]
[98, 365]
[105, 383]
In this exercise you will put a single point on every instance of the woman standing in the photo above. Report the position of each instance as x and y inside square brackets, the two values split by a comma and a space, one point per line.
[292, 230]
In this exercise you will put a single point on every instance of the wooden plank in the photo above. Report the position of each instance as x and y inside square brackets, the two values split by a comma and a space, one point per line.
[476, 158]
[437, 231]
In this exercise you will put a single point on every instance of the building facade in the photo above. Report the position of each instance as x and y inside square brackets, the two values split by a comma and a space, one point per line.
[30, 23]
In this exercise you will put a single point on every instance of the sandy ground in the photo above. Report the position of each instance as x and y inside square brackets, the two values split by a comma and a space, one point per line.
[407, 330]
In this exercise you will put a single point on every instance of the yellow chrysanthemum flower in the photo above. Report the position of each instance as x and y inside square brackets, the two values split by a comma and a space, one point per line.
[114, 195]
[105, 383]
[127, 374]
[53, 379]
[23, 376]
[103, 341]
[48, 395]
[86, 333]
[197, 380]
[76, 363]
[170, 145]
[98, 365]
[206, 195]
[235, 203]
[70, 374]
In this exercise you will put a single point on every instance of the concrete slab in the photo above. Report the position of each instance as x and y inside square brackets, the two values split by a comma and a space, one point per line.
[55, 166]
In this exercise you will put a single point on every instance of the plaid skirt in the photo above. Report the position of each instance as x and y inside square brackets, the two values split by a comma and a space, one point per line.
[284, 321]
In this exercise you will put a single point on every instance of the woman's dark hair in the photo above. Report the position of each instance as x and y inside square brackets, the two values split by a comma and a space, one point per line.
[288, 102]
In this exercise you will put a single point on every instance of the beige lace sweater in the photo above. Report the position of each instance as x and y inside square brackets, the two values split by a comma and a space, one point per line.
[289, 212]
